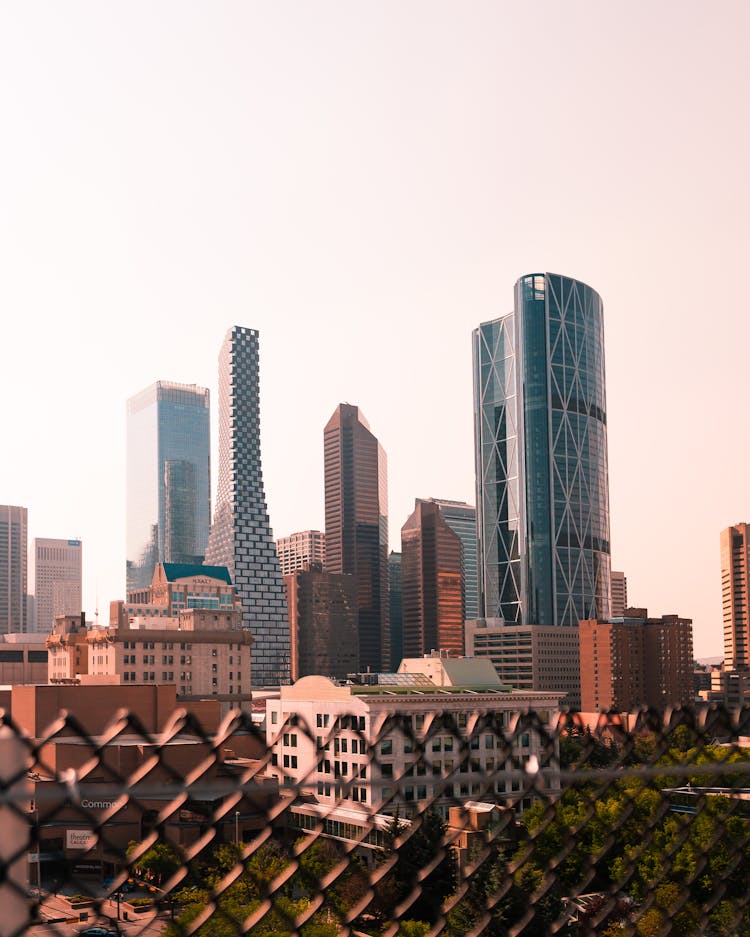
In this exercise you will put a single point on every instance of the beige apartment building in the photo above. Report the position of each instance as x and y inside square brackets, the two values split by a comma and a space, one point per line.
[619, 584]
[204, 653]
[67, 649]
[735, 596]
[543, 658]
[323, 736]
[299, 550]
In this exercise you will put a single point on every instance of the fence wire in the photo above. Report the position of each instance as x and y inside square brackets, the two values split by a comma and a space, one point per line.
[640, 826]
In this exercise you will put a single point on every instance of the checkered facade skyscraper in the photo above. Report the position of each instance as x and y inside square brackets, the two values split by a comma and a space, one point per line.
[241, 537]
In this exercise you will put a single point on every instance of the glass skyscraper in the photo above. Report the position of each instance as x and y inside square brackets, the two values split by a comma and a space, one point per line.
[168, 478]
[241, 537]
[541, 457]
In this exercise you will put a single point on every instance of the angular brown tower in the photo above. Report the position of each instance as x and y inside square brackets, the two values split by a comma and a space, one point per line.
[356, 499]
[431, 583]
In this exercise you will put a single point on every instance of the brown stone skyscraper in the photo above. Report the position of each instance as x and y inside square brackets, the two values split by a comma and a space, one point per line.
[431, 583]
[322, 623]
[735, 596]
[356, 498]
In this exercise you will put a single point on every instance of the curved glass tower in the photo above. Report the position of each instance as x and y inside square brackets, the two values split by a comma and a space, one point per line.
[541, 456]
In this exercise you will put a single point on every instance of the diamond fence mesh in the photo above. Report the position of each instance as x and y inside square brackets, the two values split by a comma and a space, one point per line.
[640, 826]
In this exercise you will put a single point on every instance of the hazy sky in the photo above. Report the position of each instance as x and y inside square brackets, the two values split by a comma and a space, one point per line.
[364, 183]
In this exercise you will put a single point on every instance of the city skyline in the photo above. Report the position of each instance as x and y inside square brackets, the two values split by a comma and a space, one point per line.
[364, 218]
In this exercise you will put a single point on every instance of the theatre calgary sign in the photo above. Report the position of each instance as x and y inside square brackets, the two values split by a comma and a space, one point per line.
[81, 839]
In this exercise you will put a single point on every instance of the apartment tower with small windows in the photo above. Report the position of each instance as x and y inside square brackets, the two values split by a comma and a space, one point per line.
[301, 549]
[735, 596]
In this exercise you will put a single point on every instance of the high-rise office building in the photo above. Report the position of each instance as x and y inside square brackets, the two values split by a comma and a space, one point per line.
[14, 538]
[462, 520]
[431, 583]
[395, 609]
[301, 549]
[735, 596]
[322, 623]
[168, 478]
[619, 593]
[57, 580]
[541, 457]
[356, 505]
[241, 538]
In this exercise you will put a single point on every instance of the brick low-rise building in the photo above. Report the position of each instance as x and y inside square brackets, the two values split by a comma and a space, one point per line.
[636, 660]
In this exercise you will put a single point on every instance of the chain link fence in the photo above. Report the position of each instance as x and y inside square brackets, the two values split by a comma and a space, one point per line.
[639, 826]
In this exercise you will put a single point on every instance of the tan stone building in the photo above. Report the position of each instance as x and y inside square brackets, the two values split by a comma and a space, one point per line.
[23, 659]
[202, 652]
[67, 649]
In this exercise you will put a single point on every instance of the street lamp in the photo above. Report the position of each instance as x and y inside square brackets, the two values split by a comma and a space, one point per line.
[38, 853]
[237, 827]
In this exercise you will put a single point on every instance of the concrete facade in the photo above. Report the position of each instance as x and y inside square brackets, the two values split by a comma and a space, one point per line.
[23, 659]
[305, 548]
[322, 735]
[543, 658]
[58, 583]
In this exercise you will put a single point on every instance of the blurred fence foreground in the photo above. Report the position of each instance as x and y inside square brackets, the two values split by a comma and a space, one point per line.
[480, 825]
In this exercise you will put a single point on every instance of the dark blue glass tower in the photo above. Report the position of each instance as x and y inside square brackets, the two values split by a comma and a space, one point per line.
[541, 457]
[168, 479]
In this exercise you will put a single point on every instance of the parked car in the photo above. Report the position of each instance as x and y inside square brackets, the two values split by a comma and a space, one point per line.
[98, 932]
